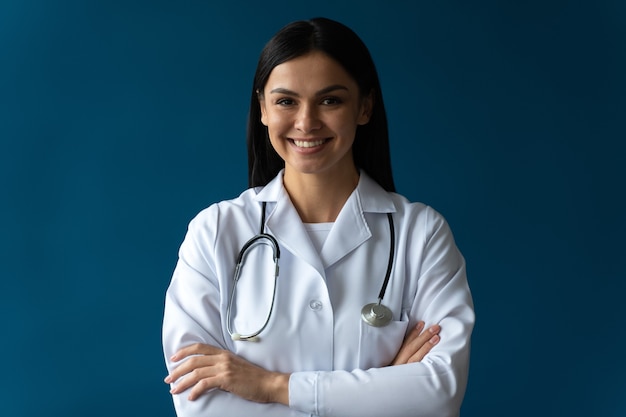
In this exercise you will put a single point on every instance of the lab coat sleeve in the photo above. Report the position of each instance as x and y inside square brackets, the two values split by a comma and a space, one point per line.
[192, 315]
[436, 385]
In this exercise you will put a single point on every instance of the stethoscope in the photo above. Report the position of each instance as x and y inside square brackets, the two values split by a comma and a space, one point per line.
[375, 314]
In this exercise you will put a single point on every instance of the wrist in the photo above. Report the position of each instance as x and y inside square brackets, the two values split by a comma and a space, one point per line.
[278, 385]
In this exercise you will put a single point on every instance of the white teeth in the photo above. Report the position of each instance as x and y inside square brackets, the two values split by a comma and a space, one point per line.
[308, 143]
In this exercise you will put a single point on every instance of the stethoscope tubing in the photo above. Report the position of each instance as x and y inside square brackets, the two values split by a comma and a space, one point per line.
[256, 240]
[374, 314]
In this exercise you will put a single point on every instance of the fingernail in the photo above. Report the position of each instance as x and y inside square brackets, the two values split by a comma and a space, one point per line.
[420, 325]
[434, 340]
[434, 329]
[167, 379]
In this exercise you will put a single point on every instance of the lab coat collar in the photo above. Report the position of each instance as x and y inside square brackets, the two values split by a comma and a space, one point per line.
[373, 198]
[348, 233]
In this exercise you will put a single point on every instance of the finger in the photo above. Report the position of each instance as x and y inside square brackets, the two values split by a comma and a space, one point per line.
[412, 345]
[192, 379]
[415, 332]
[194, 371]
[195, 349]
[201, 387]
[405, 351]
[423, 351]
[424, 337]
[188, 366]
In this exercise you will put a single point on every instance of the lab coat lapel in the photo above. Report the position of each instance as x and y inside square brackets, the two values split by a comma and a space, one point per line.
[351, 229]
[284, 223]
[348, 233]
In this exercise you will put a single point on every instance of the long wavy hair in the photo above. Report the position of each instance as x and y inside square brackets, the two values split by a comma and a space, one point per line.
[371, 145]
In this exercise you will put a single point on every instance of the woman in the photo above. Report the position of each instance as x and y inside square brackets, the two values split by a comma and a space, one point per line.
[321, 185]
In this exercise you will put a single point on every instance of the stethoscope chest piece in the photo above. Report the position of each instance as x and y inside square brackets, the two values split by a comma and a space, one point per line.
[376, 314]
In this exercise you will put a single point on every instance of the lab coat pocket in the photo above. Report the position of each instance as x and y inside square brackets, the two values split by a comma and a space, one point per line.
[379, 345]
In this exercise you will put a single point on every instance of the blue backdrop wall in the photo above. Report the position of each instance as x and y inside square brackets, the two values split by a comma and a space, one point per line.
[120, 120]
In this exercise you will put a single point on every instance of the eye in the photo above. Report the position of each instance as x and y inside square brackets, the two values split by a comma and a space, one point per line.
[329, 101]
[285, 102]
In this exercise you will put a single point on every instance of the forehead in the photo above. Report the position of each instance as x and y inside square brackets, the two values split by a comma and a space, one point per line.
[313, 70]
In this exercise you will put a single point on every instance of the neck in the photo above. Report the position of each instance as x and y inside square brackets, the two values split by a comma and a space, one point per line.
[319, 198]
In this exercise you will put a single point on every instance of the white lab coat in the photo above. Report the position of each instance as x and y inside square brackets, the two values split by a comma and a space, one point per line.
[337, 363]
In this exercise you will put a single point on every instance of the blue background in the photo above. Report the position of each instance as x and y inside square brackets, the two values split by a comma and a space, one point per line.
[120, 120]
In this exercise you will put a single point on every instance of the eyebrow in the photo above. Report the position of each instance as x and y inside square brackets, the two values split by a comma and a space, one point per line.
[319, 93]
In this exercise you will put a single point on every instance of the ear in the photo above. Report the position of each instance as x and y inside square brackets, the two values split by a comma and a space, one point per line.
[365, 112]
[262, 107]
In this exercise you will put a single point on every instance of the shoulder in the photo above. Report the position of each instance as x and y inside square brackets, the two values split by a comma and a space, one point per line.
[238, 215]
[225, 210]
[417, 216]
[406, 213]
[405, 207]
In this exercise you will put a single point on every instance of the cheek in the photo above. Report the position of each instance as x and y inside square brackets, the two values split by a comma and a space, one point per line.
[271, 117]
[346, 127]
[275, 131]
[277, 123]
[345, 122]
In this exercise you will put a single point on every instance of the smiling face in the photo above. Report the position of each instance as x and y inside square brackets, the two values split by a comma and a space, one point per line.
[312, 107]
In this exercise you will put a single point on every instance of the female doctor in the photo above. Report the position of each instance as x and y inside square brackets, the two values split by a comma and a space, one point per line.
[353, 301]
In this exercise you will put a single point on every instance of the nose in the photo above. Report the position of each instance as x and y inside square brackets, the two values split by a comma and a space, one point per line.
[307, 119]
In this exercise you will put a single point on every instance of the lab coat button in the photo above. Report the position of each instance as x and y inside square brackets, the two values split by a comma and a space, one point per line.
[315, 305]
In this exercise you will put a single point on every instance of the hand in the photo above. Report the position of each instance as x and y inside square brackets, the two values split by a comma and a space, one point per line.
[208, 367]
[417, 344]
